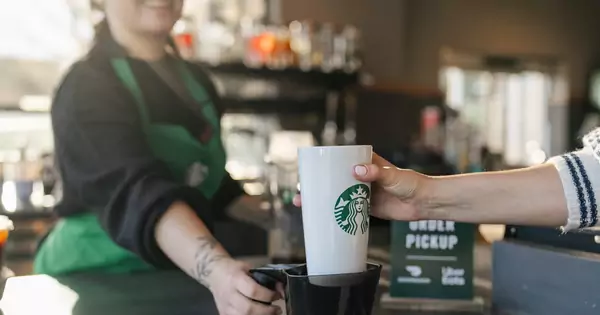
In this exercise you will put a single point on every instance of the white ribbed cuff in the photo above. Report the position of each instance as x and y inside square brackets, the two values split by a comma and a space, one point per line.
[580, 176]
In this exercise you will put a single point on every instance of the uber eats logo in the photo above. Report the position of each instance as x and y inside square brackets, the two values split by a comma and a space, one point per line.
[352, 209]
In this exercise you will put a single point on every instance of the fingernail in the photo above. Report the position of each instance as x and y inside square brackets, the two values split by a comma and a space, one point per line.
[360, 170]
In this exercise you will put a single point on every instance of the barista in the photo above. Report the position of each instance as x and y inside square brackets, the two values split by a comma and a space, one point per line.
[137, 139]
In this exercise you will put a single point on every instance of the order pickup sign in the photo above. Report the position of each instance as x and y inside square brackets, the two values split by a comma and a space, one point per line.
[432, 259]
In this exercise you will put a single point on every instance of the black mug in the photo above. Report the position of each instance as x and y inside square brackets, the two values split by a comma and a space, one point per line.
[340, 294]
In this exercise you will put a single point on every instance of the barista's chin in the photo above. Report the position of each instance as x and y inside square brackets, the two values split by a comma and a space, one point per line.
[157, 26]
[159, 16]
[164, 4]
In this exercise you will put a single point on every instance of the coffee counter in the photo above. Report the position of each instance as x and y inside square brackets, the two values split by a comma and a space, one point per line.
[163, 292]
[154, 293]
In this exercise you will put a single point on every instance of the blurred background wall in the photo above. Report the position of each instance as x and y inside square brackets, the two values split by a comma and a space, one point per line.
[404, 37]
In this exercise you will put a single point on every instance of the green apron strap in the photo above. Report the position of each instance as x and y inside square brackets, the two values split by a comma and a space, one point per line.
[125, 74]
[199, 94]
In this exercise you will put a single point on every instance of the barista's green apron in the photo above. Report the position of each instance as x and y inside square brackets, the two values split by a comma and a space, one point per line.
[80, 244]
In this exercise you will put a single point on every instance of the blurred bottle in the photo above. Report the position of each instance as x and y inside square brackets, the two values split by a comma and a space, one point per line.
[353, 59]
[323, 50]
[301, 43]
[184, 35]
[261, 46]
[340, 50]
[247, 28]
[253, 56]
[282, 55]
[431, 128]
[215, 41]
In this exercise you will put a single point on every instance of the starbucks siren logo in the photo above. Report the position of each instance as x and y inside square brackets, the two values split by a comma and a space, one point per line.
[352, 209]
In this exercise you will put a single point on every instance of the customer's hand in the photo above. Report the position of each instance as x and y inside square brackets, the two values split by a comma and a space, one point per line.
[397, 194]
[234, 290]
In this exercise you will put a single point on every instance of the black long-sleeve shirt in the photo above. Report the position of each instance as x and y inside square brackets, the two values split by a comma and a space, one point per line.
[105, 162]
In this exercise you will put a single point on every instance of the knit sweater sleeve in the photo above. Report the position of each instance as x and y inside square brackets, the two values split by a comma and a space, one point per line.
[580, 176]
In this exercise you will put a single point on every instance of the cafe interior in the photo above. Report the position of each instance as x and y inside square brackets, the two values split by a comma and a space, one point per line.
[442, 87]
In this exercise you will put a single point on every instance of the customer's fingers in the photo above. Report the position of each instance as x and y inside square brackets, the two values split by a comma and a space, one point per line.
[369, 173]
[386, 176]
[297, 201]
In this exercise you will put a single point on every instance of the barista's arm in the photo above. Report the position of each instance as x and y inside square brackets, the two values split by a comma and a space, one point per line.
[185, 239]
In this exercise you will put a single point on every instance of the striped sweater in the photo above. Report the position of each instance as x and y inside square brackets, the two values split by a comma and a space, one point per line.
[580, 176]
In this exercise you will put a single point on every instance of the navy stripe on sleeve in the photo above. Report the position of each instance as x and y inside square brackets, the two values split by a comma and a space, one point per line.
[588, 189]
[580, 195]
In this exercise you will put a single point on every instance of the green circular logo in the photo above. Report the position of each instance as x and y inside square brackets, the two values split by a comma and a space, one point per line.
[352, 209]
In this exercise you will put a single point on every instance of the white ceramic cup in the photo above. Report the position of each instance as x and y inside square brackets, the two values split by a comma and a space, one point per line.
[335, 208]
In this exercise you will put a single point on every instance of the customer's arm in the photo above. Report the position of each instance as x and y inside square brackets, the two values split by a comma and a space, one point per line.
[530, 196]
[562, 192]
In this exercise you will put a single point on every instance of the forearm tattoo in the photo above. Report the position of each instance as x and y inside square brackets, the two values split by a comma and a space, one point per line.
[205, 259]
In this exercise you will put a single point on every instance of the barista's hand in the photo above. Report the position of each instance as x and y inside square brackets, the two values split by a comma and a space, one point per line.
[234, 291]
[397, 193]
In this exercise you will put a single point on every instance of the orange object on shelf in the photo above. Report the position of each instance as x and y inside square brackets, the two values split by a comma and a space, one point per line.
[262, 46]
[185, 44]
[6, 225]
[266, 43]
[271, 47]
[3, 237]
[185, 40]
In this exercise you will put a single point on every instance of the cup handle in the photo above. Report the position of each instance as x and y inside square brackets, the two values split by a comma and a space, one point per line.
[268, 278]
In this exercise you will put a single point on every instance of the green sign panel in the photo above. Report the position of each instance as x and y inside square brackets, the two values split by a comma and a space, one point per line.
[432, 259]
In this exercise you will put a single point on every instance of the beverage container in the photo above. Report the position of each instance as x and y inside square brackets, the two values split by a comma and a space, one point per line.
[341, 294]
[335, 209]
